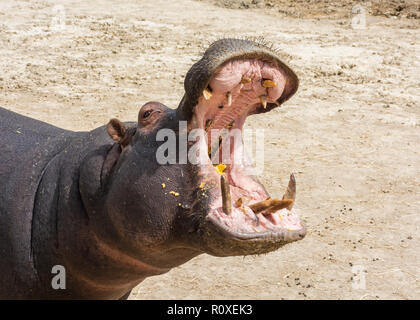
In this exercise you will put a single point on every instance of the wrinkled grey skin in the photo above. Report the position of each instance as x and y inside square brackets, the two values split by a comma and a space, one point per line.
[95, 206]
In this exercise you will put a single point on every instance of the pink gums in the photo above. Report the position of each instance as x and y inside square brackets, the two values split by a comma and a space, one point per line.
[215, 113]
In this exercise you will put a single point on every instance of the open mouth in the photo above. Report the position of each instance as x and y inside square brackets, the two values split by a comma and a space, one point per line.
[241, 207]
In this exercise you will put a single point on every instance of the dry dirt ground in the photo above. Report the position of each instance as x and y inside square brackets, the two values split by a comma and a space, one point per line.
[351, 134]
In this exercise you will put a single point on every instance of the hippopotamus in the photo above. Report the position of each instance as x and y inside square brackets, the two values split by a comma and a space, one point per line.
[115, 205]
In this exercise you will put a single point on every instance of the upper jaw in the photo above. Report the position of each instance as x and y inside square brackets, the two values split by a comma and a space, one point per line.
[225, 50]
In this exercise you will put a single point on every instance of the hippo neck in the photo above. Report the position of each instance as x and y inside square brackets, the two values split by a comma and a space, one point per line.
[64, 232]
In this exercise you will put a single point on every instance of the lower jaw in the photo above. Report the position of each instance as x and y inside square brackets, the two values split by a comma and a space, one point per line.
[218, 240]
[241, 222]
[243, 232]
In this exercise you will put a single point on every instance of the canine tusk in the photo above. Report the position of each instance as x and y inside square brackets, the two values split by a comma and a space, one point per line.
[226, 197]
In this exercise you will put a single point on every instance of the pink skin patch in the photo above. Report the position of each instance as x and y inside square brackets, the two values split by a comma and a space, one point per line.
[236, 89]
[244, 220]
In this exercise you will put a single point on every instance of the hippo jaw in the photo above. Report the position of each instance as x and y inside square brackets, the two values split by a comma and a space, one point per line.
[234, 79]
[256, 225]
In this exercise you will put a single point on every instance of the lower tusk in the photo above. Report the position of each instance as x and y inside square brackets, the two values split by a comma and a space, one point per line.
[226, 197]
[283, 204]
[269, 204]
[290, 193]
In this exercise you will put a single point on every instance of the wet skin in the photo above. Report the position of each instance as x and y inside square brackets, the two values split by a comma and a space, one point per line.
[100, 204]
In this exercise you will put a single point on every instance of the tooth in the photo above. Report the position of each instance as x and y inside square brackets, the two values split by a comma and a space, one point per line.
[216, 144]
[263, 100]
[239, 203]
[229, 99]
[245, 80]
[277, 103]
[207, 93]
[269, 203]
[230, 125]
[209, 122]
[226, 197]
[281, 205]
[290, 193]
[268, 83]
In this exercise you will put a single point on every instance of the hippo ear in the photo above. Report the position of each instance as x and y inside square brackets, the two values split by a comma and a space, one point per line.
[116, 130]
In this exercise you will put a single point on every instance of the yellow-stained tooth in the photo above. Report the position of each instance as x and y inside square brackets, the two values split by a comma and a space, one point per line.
[209, 122]
[290, 191]
[230, 125]
[226, 196]
[268, 83]
[207, 93]
[263, 100]
[239, 203]
[270, 205]
[245, 80]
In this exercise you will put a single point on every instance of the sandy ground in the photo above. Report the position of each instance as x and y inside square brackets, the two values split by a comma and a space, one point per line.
[351, 134]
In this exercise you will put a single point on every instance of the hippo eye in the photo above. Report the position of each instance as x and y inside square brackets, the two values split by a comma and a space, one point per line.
[147, 113]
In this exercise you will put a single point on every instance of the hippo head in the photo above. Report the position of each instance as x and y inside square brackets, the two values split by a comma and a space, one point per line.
[172, 190]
